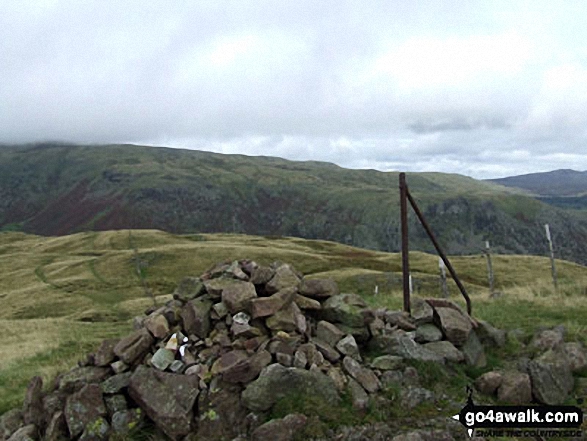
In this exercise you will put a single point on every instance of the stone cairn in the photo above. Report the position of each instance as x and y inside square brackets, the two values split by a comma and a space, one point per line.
[233, 342]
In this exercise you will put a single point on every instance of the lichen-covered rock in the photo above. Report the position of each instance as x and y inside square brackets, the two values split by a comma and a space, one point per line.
[238, 367]
[10, 422]
[277, 382]
[162, 359]
[346, 309]
[412, 397]
[126, 421]
[83, 408]
[134, 346]
[547, 339]
[307, 303]
[403, 346]
[551, 376]
[422, 312]
[78, 377]
[188, 289]
[116, 383]
[97, 430]
[490, 336]
[168, 399]
[261, 275]
[283, 320]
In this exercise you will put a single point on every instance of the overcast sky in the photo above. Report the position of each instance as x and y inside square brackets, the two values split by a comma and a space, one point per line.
[483, 88]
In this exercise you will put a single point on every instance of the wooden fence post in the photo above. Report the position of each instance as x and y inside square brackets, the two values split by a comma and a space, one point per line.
[489, 269]
[552, 265]
[443, 284]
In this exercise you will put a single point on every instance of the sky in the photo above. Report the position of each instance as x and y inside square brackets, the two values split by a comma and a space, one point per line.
[482, 88]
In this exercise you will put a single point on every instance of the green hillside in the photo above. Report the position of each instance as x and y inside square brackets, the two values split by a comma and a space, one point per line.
[62, 295]
[54, 189]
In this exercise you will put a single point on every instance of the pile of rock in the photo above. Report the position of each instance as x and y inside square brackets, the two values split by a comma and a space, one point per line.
[231, 344]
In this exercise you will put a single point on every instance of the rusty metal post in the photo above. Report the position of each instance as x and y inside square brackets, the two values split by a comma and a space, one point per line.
[403, 191]
[438, 249]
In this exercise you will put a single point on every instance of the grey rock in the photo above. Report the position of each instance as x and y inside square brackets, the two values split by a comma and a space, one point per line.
[328, 333]
[56, 428]
[261, 275]
[307, 303]
[267, 306]
[300, 360]
[119, 367]
[177, 367]
[348, 346]
[283, 320]
[446, 350]
[168, 399]
[32, 409]
[403, 346]
[115, 403]
[26, 433]
[162, 359]
[126, 421]
[387, 362]
[116, 383]
[84, 408]
[455, 326]
[10, 422]
[195, 317]
[134, 346]
[551, 376]
[328, 351]
[490, 336]
[97, 430]
[105, 353]
[284, 359]
[188, 289]
[515, 388]
[277, 382]
[319, 288]
[346, 309]
[474, 352]
[363, 375]
[78, 377]
[413, 397]
[237, 296]
[489, 382]
[359, 397]
[576, 355]
[427, 333]
[157, 325]
[422, 312]
[361, 333]
[284, 277]
[547, 339]
[238, 369]
[283, 429]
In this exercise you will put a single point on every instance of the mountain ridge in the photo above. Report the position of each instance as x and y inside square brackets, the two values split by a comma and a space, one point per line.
[55, 189]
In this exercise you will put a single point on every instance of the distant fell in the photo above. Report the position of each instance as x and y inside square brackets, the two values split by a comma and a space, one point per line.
[562, 183]
[58, 189]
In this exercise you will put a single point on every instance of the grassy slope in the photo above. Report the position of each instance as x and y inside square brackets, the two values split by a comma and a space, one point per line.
[54, 190]
[62, 295]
